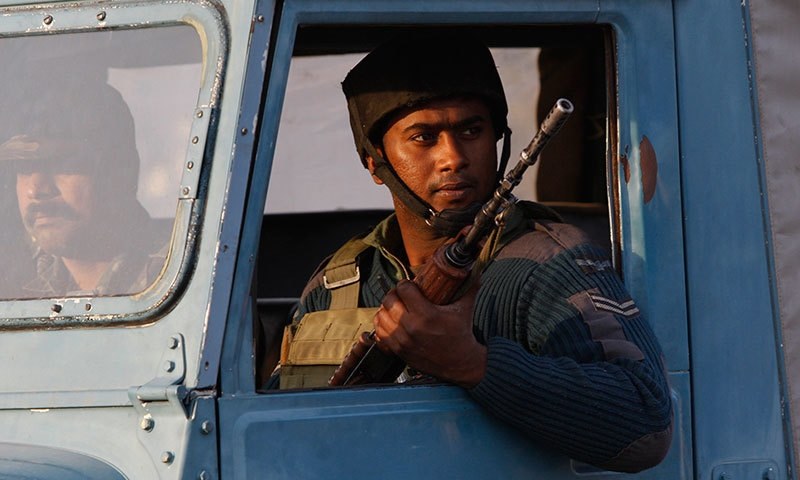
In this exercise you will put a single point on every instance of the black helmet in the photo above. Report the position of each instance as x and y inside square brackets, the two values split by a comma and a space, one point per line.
[91, 127]
[408, 72]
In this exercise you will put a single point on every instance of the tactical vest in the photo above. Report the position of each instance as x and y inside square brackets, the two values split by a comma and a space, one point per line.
[312, 349]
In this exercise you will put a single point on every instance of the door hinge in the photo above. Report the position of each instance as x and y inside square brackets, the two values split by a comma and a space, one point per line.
[167, 385]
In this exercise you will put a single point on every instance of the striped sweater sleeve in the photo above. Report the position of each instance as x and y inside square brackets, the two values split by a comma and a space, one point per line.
[571, 361]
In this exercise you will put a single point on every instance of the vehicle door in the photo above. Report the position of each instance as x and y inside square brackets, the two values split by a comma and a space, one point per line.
[437, 431]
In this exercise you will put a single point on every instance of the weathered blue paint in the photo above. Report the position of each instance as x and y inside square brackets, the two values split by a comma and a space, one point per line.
[241, 226]
[652, 254]
[696, 256]
[253, 178]
[735, 384]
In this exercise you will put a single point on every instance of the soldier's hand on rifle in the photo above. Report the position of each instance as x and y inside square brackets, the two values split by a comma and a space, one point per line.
[433, 339]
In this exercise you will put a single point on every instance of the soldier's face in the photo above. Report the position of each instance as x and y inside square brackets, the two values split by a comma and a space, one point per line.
[58, 209]
[445, 152]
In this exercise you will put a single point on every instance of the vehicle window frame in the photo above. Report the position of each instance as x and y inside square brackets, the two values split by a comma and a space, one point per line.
[279, 83]
[147, 306]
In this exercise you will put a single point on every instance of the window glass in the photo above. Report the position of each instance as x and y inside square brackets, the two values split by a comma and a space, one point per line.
[94, 128]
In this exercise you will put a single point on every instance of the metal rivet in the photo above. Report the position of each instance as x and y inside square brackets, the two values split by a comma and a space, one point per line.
[88, 307]
[167, 457]
[260, 18]
[206, 427]
[173, 343]
[244, 130]
[724, 476]
[101, 16]
[185, 190]
[189, 165]
[199, 114]
[769, 474]
[56, 308]
[195, 140]
[147, 423]
[203, 475]
[48, 20]
[169, 366]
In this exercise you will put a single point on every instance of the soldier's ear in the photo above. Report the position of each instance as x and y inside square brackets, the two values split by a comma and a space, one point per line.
[371, 168]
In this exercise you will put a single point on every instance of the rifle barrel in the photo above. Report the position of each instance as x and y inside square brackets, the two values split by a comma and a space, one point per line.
[552, 123]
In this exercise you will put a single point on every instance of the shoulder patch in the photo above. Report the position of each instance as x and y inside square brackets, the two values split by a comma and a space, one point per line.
[605, 328]
[627, 308]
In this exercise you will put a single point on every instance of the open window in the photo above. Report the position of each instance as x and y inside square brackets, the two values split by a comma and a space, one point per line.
[320, 195]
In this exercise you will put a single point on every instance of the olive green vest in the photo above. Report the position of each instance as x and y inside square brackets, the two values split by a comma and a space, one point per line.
[313, 348]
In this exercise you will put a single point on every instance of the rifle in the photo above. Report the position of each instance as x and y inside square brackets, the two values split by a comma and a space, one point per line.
[442, 277]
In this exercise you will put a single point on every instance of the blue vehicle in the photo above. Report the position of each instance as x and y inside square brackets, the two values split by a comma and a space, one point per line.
[205, 162]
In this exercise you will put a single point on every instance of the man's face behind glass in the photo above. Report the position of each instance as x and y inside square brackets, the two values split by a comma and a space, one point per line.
[59, 206]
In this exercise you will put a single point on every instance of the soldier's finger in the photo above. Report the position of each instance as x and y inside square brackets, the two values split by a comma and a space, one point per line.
[393, 304]
[410, 294]
[391, 334]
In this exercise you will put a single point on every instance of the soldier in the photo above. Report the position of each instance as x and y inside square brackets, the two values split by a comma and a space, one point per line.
[550, 342]
[76, 176]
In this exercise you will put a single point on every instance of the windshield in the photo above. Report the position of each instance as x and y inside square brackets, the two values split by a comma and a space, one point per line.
[94, 129]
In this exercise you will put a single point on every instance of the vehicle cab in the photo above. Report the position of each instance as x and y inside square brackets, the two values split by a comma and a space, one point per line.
[199, 155]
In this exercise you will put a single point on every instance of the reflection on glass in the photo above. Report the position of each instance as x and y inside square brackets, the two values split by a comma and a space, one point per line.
[88, 184]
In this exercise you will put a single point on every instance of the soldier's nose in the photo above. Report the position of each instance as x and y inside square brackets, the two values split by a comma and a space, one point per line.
[37, 185]
[451, 154]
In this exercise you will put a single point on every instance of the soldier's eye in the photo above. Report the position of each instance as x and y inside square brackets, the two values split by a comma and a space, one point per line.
[472, 132]
[424, 137]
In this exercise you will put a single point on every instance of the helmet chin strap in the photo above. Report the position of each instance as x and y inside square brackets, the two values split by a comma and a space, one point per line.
[446, 222]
